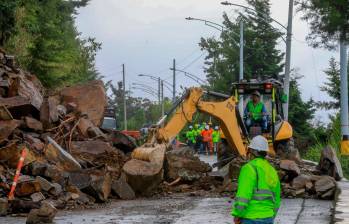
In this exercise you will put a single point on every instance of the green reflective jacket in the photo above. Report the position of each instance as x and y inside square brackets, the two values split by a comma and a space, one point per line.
[258, 194]
[256, 111]
[191, 136]
[216, 136]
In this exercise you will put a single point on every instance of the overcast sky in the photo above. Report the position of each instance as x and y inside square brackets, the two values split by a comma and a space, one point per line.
[147, 34]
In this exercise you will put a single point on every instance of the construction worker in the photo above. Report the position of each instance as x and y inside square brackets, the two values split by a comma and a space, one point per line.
[216, 138]
[255, 112]
[258, 195]
[191, 137]
[206, 138]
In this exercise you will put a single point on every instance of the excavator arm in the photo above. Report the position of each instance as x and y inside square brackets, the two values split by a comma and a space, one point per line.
[224, 111]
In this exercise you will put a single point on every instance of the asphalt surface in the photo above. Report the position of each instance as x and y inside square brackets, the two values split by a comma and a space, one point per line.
[185, 210]
[181, 209]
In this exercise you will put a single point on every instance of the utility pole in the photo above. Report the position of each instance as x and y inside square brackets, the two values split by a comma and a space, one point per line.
[159, 90]
[162, 99]
[174, 81]
[241, 73]
[344, 98]
[124, 95]
[288, 59]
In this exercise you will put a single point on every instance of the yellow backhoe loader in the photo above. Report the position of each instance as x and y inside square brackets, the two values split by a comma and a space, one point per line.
[225, 110]
[144, 170]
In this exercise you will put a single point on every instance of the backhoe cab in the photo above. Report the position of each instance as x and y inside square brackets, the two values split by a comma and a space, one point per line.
[278, 132]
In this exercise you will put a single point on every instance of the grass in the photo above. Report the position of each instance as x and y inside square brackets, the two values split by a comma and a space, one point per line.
[334, 138]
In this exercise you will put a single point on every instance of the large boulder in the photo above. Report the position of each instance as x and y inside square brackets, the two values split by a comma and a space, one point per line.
[329, 163]
[184, 164]
[144, 172]
[90, 98]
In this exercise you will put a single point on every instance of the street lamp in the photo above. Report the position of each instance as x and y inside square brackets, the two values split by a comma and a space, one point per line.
[166, 83]
[161, 84]
[191, 76]
[144, 90]
[288, 46]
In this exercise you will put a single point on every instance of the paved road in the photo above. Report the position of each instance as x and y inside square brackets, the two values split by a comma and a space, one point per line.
[186, 210]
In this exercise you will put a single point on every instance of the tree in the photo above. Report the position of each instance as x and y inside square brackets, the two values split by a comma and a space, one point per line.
[262, 58]
[8, 19]
[48, 44]
[300, 113]
[328, 20]
[332, 86]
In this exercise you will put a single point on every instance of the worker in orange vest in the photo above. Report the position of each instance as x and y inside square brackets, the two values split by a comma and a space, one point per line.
[206, 138]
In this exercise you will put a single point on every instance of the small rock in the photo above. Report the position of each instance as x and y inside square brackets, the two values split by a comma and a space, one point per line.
[55, 174]
[45, 184]
[27, 186]
[37, 168]
[38, 196]
[56, 190]
[34, 124]
[301, 181]
[123, 190]
[3, 206]
[45, 214]
[289, 165]
[324, 184]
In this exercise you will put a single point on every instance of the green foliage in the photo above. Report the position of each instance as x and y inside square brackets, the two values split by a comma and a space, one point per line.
[7, 21]
[300, 112]
[333, 139]
[48, 44]
[332, 86]
[328, 20]
[262, 59]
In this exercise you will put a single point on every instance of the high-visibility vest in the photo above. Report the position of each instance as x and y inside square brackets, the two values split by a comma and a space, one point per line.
[191, 136]
[258, 194]
[216, 136]
[255, 110]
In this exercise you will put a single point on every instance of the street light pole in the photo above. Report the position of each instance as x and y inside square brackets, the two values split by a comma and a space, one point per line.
[159, 90]
[162, 99]
[174, 81]
[124, 95]
[344, 98]
[288, 59]
[241, 74]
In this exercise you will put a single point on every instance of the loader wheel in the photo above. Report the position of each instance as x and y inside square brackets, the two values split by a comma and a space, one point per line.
[287, 150]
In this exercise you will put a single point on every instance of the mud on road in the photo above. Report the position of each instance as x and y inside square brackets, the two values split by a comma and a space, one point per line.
[184, 210]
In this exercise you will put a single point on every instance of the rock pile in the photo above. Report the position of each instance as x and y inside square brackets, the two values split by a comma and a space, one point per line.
[70, 161]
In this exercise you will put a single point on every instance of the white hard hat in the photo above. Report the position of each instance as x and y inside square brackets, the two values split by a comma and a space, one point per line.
[259, 143]
[190, 126]
[207, 127]
[216, 128]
